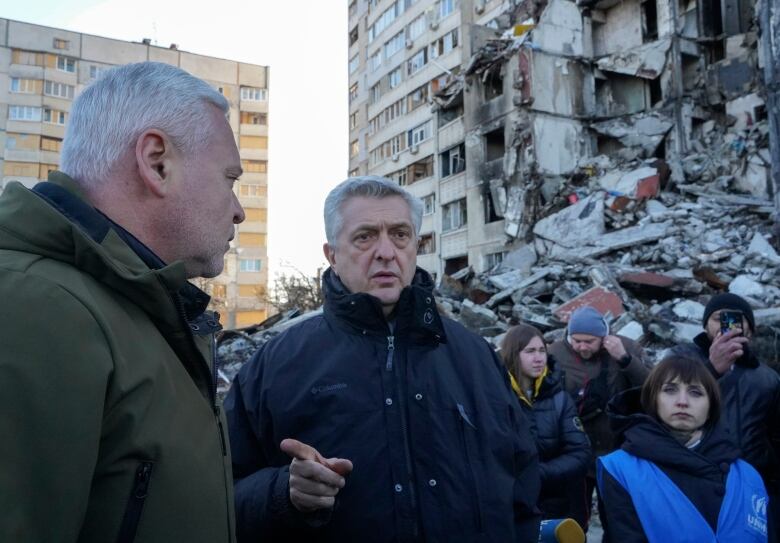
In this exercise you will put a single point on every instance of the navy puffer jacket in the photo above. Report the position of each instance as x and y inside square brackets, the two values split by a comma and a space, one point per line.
[441, 449]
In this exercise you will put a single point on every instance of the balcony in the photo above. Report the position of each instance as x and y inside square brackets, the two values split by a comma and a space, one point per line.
[253, 129]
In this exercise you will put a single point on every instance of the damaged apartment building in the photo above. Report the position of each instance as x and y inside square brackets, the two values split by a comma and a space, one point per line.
[499, 114]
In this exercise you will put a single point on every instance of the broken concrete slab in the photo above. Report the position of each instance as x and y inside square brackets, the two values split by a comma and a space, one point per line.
[603, 300]
[633, 330]
[475, 317]
[759, 246]
[574, 225]
[684, 332]
[613, 241]
[522, 259]
[689, 310]
[747, 287]
[646, 61]
[638, 184]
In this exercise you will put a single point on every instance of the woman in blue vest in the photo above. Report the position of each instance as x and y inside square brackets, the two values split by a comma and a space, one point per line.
[677, 477]
[564, 449]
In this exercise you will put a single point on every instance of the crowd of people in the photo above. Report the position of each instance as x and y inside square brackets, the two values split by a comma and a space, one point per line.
[378, 420]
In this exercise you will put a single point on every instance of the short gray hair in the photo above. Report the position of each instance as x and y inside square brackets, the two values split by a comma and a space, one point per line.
[369, 186]
[110, 114]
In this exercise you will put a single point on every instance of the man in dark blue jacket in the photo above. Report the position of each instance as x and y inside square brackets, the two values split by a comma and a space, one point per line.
[379, 420]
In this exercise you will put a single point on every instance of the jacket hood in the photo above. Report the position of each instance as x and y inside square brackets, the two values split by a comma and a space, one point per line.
[55, 221]
[415, 313]
[648, 438]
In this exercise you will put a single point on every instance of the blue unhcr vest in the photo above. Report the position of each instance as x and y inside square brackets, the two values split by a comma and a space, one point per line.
[668, 516]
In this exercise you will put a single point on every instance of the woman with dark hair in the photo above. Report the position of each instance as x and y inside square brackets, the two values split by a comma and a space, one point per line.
[677, 477]
[564, 449]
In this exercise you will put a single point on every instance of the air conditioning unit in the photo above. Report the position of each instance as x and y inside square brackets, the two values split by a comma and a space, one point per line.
[434, 24]
[409, 43]
[413, 149]
[479, 8]
[394, 158]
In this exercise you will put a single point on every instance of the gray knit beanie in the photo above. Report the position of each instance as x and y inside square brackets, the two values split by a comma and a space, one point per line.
[587, 320]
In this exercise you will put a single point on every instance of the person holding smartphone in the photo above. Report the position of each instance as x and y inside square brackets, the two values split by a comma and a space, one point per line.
[749, 388]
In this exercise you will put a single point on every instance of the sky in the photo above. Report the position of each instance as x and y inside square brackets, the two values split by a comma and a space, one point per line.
[304, 43]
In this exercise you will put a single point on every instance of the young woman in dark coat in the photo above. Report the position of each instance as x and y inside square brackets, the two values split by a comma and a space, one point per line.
[564, 449]
[667, 483]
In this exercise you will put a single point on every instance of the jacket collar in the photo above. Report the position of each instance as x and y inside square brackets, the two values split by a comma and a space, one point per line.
[747, 360]
[415, 314]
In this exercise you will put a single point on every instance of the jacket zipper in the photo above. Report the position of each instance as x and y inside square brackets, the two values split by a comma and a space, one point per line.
[404, 428]
[135, 503]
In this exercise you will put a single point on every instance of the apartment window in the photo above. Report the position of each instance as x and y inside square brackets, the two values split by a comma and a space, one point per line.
[453, 160]
[353, 149]
[399, 177]
[26, 86]
[489, 208]
[353, 120]
[66, 64]
[61, 44]
[494, 144]
[375, 61]
[419, 133]
[353, 8]
[417, 98]
[394, 78]
[445, 44]
[494, 259]
[416, 28]
[28, 58]
[493, 84]
[354, 63]
[51, 144]
[394, 44]
[446, 7]
[453, 215]
[24, 113]
[250, 265]
[427, 244]
[354, 172]
[416, 63]
[53, 116]
[249, 117]
[429, 204]
[386, 19]
[374, 94]
[60, 90]
[421, 169]
[96, 71]
[254, 166]
[253, 190]
[353, 90]
[353, 36]
[253, 94]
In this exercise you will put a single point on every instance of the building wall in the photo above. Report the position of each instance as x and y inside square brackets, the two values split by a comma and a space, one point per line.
[37, 57]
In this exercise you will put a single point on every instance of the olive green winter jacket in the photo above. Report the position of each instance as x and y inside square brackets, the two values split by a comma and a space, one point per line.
[109, 428]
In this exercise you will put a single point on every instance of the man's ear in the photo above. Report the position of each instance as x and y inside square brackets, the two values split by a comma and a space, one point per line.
[153, 155]
[330, 254]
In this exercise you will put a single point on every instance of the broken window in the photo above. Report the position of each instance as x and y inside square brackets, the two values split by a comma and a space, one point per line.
[416, 63]
[453, 265]
[494, 144]
[453, 160]
[249, 117]
[420, 170]
[494, 259]
[453, 215]
[489, 208]
[353, 36]
[493, 83]
[449, 114]
[427, 244]
[254, 166]
[649, 21]
[417, 98]
[445, 44]
[51, 144]
[61, 44]
[429, 204]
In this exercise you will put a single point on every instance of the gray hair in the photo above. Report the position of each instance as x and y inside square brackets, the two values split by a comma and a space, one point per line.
[370, 186]
[110, 114]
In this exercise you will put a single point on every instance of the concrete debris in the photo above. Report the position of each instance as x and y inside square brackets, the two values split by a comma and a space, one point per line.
[574, 225]
[689, 310]
[646, 61]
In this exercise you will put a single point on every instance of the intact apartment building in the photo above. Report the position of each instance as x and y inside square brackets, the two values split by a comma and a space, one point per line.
[489, 109]
[42, 70]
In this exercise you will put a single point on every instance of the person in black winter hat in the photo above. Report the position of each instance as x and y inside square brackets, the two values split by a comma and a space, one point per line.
[750, 391]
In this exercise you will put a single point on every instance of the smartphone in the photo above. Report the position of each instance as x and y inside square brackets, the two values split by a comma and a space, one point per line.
[730, 320]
